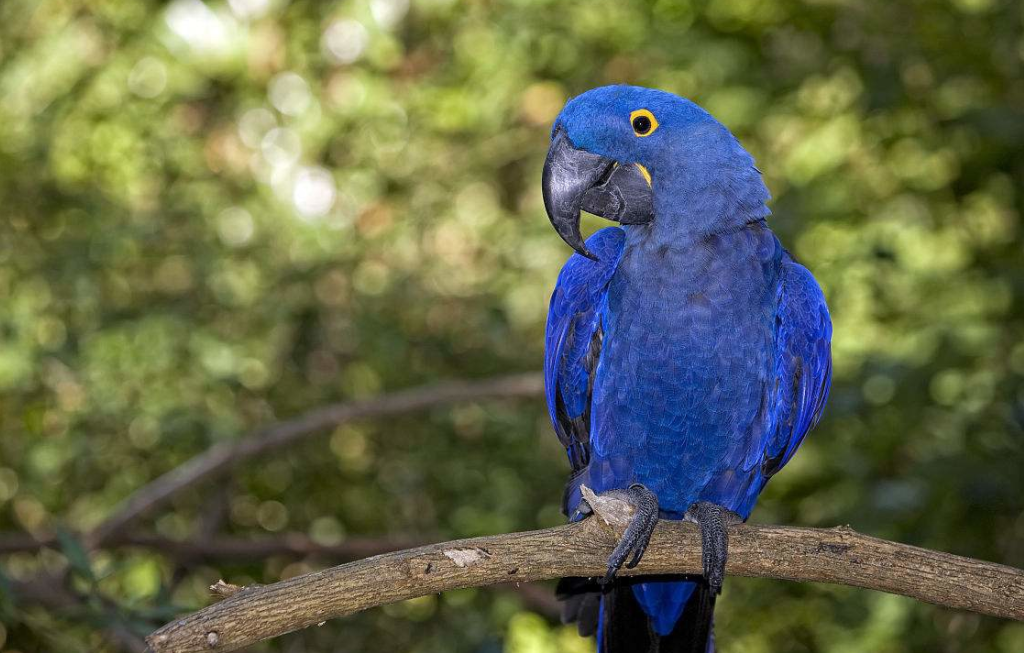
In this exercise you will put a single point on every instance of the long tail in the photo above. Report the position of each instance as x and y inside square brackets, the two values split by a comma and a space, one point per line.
[652, 614]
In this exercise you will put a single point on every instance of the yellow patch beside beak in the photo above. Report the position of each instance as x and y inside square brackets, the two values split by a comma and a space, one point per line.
[644, 172]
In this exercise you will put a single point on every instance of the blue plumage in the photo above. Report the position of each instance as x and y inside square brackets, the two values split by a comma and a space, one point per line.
[693, 355]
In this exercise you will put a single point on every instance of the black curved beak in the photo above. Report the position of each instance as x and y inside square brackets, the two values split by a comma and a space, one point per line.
[575, 180]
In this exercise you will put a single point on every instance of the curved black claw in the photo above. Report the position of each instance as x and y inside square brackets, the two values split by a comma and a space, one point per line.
[713, 521]
[638, 534]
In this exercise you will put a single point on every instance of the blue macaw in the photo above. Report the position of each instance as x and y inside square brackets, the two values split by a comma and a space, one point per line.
[687, 353]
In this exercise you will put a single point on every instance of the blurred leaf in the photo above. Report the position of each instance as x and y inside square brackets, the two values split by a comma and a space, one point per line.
[74, 551]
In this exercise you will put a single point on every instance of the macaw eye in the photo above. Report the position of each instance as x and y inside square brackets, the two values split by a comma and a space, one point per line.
[643, 121]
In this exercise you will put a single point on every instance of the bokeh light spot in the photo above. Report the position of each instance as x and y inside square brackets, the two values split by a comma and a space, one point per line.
[345, 40]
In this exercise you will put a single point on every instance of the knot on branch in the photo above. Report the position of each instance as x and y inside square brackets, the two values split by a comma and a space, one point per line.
[613, 511]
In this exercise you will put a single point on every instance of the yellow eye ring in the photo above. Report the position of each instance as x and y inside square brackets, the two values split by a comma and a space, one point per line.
[644, 123]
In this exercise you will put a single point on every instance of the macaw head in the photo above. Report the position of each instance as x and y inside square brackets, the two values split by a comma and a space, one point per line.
[642, 156]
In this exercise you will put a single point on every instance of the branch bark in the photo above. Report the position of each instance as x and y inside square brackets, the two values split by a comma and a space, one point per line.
[224, 456]
[837, 555]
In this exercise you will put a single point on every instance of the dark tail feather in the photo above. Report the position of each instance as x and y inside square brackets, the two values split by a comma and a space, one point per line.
[621, 625]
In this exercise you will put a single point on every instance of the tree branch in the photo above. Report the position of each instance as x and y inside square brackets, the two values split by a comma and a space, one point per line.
[224, 456]
[837, 555]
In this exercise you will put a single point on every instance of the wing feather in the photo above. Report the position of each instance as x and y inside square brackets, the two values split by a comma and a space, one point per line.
[573, 341]
[803, 365]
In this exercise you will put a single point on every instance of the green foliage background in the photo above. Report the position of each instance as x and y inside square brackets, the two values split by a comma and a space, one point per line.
[218, 214]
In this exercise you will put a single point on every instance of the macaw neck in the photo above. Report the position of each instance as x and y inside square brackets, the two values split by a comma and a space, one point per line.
[689, 207]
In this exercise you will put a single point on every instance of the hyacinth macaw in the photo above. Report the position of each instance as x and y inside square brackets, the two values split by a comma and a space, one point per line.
[687, 352]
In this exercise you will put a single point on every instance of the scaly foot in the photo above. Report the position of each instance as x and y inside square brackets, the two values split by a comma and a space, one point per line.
[637, 534]
[713, 521]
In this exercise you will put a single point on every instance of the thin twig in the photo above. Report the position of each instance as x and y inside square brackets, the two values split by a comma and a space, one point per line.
[837, 555]
[289, 544]
[222, 457]
[229, 547]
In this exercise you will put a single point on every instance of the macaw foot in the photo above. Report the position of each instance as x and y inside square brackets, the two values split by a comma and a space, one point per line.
[638, 532]
[713, 521]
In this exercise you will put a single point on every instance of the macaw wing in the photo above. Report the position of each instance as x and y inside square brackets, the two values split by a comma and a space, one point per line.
[573, 341]
[803, 365]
